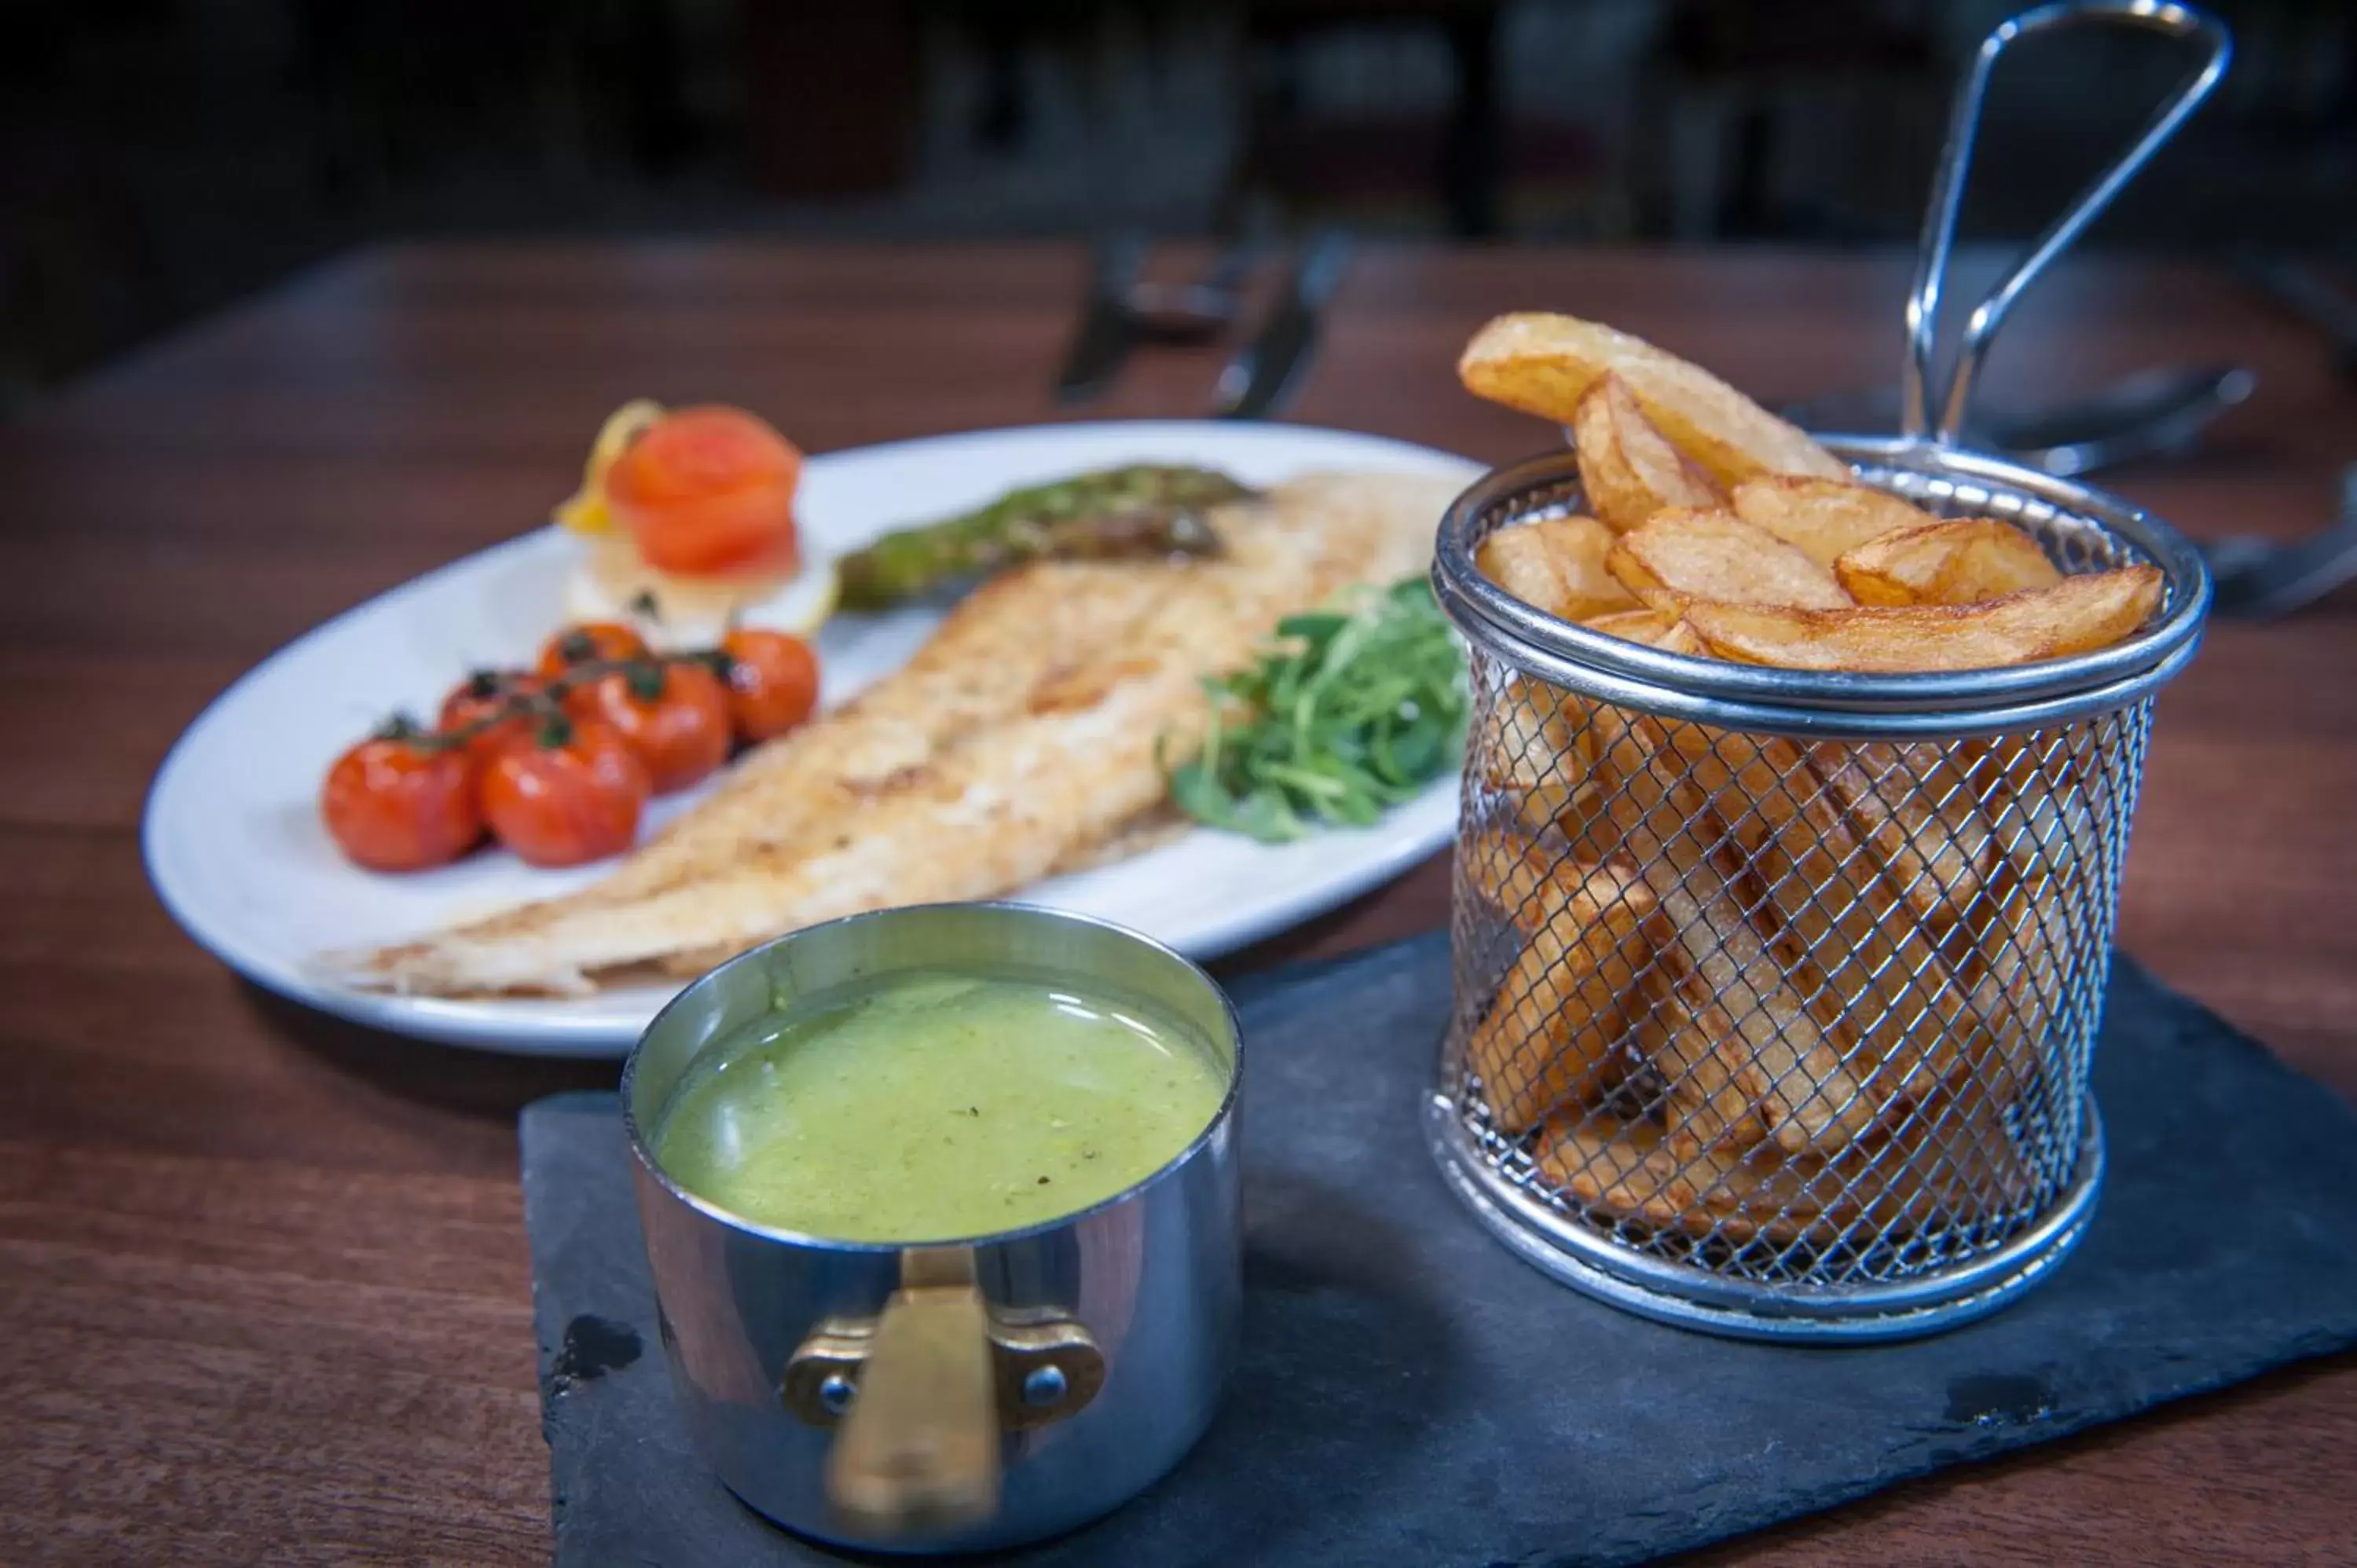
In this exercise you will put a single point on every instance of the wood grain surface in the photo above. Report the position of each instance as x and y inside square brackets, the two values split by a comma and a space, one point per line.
[264, 1274]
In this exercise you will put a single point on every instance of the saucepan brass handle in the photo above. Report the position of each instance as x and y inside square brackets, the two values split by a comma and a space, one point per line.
[923, 1391]
[919, 1448]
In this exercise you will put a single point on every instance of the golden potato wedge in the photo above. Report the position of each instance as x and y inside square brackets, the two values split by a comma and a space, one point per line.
[2076, 615]
[1541, 759]
[1547, 1040]
[1628, 468]
[2041, 796]
[1918, 810]
[1555, 564]
[1714, 1095]
[1624, 1170]
[1959, 561]
[1633, 626]
[1709, 554]
[1499, 866]
[1948, 1159]
[1544, 364]
[1855, 944]
[1579, 818]
[1846, 936]
[1652, 629]
[1537, 759]
[1825, 519]
[1632, 1170]
[1752, 1029]
[1943, 1162]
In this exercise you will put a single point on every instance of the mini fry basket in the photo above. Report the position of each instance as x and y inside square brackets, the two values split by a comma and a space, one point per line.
[1776, 990]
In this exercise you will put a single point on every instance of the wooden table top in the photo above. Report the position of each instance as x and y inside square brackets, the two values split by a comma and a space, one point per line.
[265, 1273]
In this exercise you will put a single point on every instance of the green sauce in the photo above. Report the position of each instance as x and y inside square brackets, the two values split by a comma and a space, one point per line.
[933, 1106]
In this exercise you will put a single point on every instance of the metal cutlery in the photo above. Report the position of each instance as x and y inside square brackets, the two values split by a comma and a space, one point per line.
[1119, 312]
[1199, 311]
[2151, 413]
[1107, 327]
[2307, 293]
[2256, 580]
[1266, 371]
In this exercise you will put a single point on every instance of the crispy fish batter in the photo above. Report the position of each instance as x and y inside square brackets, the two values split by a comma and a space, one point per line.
[1020, 740]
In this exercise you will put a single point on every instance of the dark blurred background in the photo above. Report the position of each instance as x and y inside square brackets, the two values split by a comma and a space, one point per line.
[161, 157]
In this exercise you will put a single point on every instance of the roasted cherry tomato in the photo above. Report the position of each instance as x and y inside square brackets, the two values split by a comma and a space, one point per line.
[708, 489]
[489, 698]
[394, 803]
[673, 714]
[773, 682]
[571, 795]
[592, 642]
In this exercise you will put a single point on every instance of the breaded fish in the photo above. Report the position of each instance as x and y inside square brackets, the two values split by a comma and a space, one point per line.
[1021, 740]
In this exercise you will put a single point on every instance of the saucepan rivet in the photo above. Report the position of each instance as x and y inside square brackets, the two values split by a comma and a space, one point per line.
[836, 1392]
[1045, 1386]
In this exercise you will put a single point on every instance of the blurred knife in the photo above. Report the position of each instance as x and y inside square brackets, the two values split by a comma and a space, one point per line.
[2299, 288]
[1107, 327]
[1270, 368]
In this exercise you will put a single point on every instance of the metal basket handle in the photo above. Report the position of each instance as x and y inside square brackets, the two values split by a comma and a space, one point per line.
[1917, 417]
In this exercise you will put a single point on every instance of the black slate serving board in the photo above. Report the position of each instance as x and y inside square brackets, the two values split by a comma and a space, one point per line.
[1411, 1393]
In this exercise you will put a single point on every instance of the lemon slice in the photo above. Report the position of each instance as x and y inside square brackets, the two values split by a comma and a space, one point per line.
[586, 511]
[804, 604]
[611, 582]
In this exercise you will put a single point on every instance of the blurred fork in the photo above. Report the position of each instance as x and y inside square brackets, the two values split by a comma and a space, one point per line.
[2155, 413]
[2256, 580]
[1119, 312]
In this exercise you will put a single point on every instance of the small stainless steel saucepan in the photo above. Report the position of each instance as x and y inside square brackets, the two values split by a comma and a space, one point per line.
[963, 1395]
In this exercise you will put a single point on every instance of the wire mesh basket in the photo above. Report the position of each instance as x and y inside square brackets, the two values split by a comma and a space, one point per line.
[1776, 990]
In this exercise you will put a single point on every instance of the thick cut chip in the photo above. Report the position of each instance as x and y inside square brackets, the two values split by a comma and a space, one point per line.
[1555, 564]
[2049, 806]
[2076, 615]
[1536, 755]
[1918, 809]
[1964, 561]
[1948, 1159]
[1547, 1039]
[1751, 1035]
[1827, 519]
[1499, 866]
[1855, 945]
[1544, 364]
[1633, 1171]
[1628, 468]
[1708, 553]
[1951, 1160]
[1714, 1097]
[1540, 759]
[1625, 1169]
[1653, 628]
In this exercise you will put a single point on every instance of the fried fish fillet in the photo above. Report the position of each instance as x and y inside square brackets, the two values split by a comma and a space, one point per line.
[1020, 740]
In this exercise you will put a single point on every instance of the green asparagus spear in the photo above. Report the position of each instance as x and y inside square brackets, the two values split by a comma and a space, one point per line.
[1144, 508]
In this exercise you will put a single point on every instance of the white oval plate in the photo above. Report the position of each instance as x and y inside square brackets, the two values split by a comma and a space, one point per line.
[233, 835]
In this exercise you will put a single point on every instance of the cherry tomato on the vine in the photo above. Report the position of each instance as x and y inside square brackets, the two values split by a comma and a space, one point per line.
[772, 681]
[590, 642]
[573, 794]
[490, 698]
[673, 714]
[394, 803]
